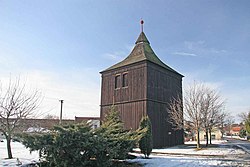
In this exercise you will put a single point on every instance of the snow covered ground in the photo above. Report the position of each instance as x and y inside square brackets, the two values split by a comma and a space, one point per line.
[174, 156]
[204, 142]
[18, 151]
[189, 156]
[184, 161]
[190, 149]
[236, 137]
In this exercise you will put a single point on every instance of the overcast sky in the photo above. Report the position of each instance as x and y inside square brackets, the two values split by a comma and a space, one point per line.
[59, 46]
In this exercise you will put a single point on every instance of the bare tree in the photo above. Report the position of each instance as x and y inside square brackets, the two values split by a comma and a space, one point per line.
[176, 114]
[50, 116]
[200, 109]
[222, 121]
[191, 115]
[230, 121]
[212, 107]
[15, 104]
[244, 116]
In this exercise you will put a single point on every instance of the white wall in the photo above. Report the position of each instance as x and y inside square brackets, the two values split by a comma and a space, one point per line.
[94, 123]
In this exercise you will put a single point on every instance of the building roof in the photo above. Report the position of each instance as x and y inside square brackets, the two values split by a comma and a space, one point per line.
[236, 129]
[142, 51]
[86, 118]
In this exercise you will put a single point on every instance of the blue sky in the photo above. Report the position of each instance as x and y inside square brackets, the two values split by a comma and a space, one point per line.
[60, 46]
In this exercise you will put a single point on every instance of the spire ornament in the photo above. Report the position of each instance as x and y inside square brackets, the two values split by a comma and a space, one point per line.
[142, 22]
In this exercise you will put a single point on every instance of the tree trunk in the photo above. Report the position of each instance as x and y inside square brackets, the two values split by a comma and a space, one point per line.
[210, 135]
[198, 138]
[206, 137]
[8, 139]
[222, 132]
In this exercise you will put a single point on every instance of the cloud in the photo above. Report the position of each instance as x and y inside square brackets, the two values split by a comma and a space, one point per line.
[79, 89]
[116, 56]
[111, 56]
[185, 54]
[236, 101]
[80, 92]
[191, 45]
[119, 55]
[217, 51]
[235, 95]
[202, 48]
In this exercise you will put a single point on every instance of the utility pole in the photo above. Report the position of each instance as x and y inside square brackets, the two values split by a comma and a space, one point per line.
[61, 101]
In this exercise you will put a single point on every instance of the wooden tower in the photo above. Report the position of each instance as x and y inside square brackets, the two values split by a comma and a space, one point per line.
[142, 85]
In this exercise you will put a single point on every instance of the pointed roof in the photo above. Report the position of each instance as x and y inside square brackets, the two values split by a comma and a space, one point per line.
[142, 38]
[141, 52]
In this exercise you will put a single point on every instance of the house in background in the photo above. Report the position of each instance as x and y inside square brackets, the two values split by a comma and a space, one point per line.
[235, 130]
[215, 134]
[93, 121]
[143, 85]
[34, 125]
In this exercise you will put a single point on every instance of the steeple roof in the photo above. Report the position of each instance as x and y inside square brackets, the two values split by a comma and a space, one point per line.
[142, 51]
[142, 38]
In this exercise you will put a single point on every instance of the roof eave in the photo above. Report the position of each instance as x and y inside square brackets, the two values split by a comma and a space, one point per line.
[170, 69]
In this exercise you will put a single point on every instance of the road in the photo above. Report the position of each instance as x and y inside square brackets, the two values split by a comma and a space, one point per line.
[242, 160]
[239, 143]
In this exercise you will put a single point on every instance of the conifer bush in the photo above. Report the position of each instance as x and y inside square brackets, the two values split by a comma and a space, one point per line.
[146, 141]
[64, 146]
[79, 145]
[120, 141]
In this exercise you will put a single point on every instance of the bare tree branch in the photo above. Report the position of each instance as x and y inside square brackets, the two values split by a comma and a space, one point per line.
[244, 116]
[16, 104]
[200, 109]
[176, 113]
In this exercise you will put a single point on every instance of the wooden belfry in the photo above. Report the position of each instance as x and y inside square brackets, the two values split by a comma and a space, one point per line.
[142, 85]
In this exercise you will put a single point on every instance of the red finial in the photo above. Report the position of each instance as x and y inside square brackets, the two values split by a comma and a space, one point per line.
[142, 25]
[142, 21]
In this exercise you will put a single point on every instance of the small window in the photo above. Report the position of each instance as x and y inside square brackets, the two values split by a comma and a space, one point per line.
[125, 80]
[117, 81]
[213, 137]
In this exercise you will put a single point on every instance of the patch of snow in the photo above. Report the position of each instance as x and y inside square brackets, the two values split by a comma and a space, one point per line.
[34, 129]
[184, 160]
[18, 151]
[204, 142]
[236, 137]
[170, 161]
[243, 148]
[189, 149]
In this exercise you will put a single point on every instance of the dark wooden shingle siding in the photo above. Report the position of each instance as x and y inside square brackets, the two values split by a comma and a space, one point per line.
[130, 113]
[135, 91]
[130, 101]
[150, 89]
[163, 85]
